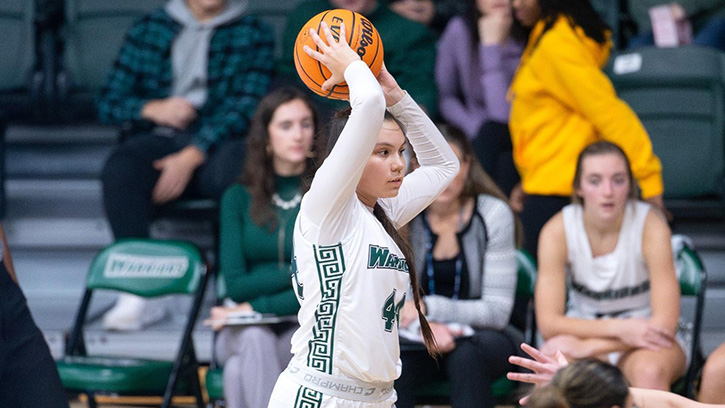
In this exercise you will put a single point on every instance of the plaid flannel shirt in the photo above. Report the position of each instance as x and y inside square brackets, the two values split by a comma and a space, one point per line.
[240, 68]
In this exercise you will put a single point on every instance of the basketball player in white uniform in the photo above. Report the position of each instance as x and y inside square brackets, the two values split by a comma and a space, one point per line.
[350, 275]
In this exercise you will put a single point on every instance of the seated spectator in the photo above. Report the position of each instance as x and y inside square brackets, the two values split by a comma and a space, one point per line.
[186, 82]
[477, 56]
[28, 376]
[587, 384]
[561, 101]
[257, 219]
[434, 14]
[409, 48]
[613, 252]
[706, 17]
[465, 254]
[713, 375]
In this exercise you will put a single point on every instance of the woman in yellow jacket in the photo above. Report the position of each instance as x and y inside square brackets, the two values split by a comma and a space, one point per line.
[561, 101]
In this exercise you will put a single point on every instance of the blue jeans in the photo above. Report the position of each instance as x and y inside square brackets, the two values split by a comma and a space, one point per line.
[711, 35]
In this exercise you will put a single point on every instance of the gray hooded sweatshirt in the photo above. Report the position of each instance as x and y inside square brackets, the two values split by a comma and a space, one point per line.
[190, 49]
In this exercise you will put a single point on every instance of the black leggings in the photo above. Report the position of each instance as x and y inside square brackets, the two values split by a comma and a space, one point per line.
[538, 209]
[471, 367]
[28, 376]
[129, 179]
[494, 150]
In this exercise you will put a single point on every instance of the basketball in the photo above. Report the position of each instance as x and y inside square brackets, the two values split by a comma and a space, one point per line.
[362, 37]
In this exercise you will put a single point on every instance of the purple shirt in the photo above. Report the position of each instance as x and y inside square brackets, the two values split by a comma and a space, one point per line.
[473, 92]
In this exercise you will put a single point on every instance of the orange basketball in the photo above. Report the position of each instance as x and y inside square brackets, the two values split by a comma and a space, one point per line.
[362, 37]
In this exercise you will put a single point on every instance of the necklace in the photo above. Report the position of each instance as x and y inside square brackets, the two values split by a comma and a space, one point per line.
[286, 204]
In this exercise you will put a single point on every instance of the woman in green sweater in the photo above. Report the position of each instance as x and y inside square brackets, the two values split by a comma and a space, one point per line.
[257, 219]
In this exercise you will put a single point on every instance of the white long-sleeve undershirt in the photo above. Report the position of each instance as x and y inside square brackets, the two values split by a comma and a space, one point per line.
[328, 202]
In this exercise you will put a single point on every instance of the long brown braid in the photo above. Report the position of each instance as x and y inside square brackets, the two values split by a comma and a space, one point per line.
[402, 243]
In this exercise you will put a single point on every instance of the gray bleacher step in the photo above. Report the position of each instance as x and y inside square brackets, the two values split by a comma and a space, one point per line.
[715, 266]
[77, 151]
[147, 344]
[714, 306]
[55, 161]
[706, 235]
[58, 233]
[55, 315]
[83, 134]
[52, 279]
[711, 340]
[53, 199]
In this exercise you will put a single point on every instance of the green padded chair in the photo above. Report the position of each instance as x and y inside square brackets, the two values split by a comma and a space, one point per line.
[147, 268]
[693, 279]
[679, 95]
[503, 389]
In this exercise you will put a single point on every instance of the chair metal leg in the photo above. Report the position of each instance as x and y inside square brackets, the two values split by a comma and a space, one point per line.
[91, 400]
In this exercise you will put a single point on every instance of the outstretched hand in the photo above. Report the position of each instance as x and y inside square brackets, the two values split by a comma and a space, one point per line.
[543, 367]
[336, 55]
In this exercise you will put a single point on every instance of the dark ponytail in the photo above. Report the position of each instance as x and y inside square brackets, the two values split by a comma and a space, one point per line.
[402, 243]
[334, 128]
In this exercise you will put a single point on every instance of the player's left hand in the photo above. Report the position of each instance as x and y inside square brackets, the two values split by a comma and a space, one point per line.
[392, 91]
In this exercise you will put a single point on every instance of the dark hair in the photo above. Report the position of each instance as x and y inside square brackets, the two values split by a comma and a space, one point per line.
[583, 384]
[258, 174]
[334, 129]
[596, 149]
[472, 14]
[477, 180]
[580, 13]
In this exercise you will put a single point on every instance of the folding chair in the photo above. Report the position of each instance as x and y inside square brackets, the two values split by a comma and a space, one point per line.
[503, 389]
[147, 268]
[693, 279]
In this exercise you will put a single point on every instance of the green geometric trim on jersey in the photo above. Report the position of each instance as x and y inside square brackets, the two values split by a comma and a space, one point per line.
[330, 267]
[307, 398]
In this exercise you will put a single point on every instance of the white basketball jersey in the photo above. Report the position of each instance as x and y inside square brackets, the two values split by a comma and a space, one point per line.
[614, 283]
[350, 294]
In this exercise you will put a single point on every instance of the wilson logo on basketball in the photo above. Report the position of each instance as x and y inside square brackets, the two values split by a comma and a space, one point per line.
[362, 36]
[366, 37]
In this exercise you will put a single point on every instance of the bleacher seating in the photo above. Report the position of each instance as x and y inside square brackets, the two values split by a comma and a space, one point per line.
[18, 45]
[679, 95]
[93, 33]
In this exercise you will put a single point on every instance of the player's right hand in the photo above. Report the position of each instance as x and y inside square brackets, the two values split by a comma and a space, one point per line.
[335, 55]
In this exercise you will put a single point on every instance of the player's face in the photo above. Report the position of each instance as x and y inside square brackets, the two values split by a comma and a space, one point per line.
[527, 12]
[604, 185]
[358, 6]
[291, 132]
[383, 173]
[454, 190]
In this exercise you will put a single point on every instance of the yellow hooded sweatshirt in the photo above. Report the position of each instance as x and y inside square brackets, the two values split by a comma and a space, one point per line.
[562, 102]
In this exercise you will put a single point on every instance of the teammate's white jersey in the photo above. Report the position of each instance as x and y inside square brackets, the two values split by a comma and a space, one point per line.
[350, 277]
